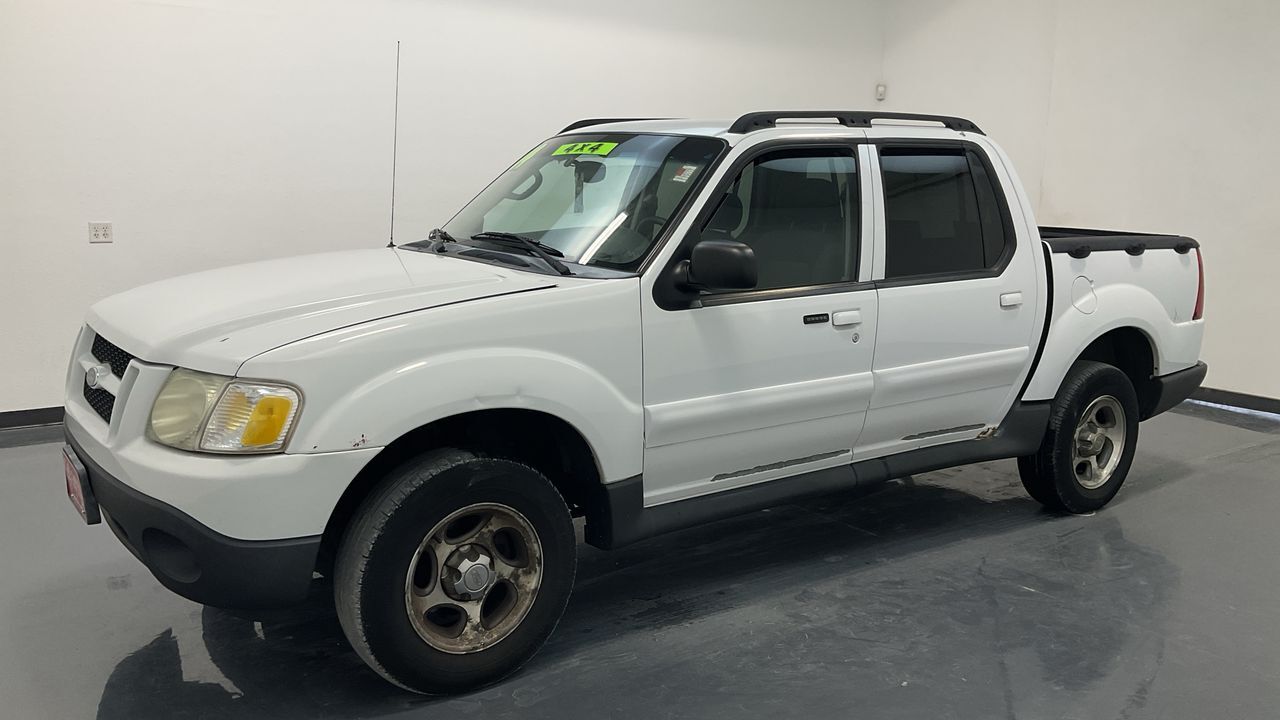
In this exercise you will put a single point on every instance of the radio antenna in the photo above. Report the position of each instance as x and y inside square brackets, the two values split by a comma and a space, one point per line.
[395, 134]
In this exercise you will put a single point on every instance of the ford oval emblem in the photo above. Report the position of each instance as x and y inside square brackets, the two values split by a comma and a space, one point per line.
[94, 375]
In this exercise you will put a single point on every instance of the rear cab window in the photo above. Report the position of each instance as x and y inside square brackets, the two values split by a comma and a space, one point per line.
[944, 213]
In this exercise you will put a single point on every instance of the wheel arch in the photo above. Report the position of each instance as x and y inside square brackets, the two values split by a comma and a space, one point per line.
[546, 442]
[1131, 350]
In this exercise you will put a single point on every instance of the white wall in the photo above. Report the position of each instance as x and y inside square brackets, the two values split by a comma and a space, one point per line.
[986, 60]
[219, 131]
[1148, 115]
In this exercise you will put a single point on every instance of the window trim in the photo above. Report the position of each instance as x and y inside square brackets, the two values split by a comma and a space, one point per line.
[741, 296]
[1002, 203]
[668, 296]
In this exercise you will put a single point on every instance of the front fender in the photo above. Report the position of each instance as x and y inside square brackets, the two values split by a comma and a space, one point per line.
[384, 407]
[572, 351]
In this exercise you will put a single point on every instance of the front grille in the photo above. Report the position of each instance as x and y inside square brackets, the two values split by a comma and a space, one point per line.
[105, 351]
[108, 353]
[100, 400]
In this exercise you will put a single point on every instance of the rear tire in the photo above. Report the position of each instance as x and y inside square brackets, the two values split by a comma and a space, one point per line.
[1089, 443]
[454, 571]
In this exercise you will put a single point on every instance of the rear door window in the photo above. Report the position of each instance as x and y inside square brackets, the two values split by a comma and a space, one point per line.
[943, 213]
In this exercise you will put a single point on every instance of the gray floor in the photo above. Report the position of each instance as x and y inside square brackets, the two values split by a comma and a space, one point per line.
[950, 595]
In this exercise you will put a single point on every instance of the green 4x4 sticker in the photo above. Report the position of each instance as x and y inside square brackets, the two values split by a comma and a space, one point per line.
[586, 148]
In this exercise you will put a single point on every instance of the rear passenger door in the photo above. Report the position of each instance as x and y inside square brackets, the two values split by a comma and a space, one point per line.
[956, 298]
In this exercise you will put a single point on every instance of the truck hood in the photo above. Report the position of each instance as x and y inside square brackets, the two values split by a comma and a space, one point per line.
[215, 320]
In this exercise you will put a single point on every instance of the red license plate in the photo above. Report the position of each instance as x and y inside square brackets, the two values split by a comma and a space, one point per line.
[78, 488]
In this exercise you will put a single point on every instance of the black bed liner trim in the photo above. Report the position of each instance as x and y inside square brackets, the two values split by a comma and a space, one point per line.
[1082, 242]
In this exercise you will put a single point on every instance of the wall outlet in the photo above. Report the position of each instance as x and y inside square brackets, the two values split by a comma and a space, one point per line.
[100, 232]
[881, 91]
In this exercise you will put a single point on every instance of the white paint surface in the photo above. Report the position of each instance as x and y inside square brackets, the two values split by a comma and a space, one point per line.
[215, 132]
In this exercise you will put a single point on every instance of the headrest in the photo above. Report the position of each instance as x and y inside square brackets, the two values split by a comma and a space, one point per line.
[801, 192]
[728, 216]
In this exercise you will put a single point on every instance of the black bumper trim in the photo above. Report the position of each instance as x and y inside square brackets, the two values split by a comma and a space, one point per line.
[1169, 390]
[195, 561]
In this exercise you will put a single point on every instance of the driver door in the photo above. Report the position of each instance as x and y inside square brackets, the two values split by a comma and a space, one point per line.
[759, 385]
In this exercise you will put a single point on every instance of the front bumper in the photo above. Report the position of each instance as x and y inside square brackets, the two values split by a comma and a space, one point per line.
[195, 561]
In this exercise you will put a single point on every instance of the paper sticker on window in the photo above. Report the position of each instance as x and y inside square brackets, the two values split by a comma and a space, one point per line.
[684, 173]
[586, 148]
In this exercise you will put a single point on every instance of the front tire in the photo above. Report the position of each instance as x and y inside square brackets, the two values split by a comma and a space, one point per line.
[1089, 443]
[454, 571]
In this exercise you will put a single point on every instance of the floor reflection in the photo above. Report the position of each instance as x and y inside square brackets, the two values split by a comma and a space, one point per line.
[836, 592]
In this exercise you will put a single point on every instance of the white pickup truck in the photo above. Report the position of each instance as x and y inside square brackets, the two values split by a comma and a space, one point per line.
[649, 324]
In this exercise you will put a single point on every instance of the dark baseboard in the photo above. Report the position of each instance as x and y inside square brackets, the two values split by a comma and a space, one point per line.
[1235, 399]
[30, 418]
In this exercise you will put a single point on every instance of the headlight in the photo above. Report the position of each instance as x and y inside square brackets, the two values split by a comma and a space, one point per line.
[199, 411]
[178, 415]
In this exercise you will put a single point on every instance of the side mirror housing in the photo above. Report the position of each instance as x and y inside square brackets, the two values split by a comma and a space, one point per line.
[720, 265]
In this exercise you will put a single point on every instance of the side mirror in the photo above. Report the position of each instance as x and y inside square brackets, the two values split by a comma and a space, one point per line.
[720, 265]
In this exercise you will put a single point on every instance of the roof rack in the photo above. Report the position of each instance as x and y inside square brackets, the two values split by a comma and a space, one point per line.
[849, 118]
[601, 121]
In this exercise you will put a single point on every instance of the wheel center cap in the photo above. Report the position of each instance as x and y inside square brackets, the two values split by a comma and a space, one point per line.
[475, 578]
[1095, 443]
[1091, 441]
[468, 572]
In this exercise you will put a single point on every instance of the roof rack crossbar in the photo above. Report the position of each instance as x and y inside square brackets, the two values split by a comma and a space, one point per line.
[849, 118]
[588, 122]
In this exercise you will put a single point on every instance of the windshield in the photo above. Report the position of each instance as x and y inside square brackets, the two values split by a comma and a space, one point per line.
[599, 199]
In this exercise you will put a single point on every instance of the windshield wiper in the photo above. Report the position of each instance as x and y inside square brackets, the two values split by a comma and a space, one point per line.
[522, 239]
[442, 236]
[544, 252]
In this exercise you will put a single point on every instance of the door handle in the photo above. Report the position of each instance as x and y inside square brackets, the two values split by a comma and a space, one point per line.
[845, 318]
[1011, 299]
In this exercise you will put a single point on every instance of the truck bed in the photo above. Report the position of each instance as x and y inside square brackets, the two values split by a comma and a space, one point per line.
[1101, 279]
[1081, 242]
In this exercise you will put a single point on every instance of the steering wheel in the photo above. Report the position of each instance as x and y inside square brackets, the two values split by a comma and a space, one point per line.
[648, 220]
